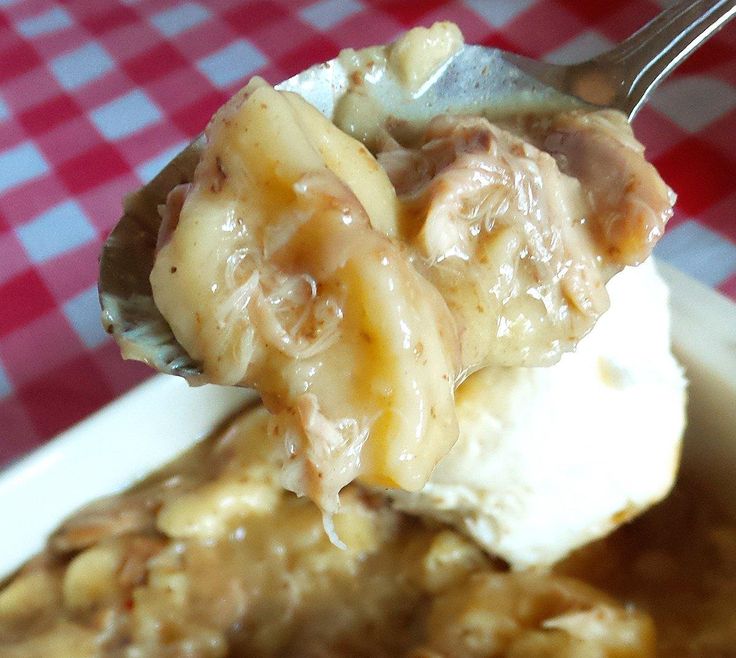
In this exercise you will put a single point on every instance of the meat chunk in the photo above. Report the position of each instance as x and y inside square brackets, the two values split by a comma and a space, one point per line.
[520, 242]
[629, 202]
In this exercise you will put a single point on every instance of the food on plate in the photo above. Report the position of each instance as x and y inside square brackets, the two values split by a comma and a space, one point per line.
[210, 557]
[407, 298]
[355, 289]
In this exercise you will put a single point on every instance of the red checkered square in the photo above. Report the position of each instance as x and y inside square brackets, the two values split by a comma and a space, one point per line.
[147, 143]
[130, 40]
[253, 17]
[16, 59]
[529, 32]
[293, 6]
[23, 298]
[178, 90]
[30, 199]
[29, 89]
[58, 42]
[113, 85]
[47, 115]
[191, 119]
[720, 132]
[11, 132]
[700, 173]
[37, 347]
[65, 395]
[627, 18]
[274, 31]
[19, 435]
[203, 40]
[616, 20]
[717, 57]
[657, 132]
[713, 216]
[8, 37]
[358, 32]
[83, 10]
[155, 63]
[407, 14]
[102, 17]
[68, 140]
[14, 260]
[291, 62]
[91, 168]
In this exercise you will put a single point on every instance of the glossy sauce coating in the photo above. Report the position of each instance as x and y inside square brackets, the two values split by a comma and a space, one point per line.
[356, 293]
[212, 558]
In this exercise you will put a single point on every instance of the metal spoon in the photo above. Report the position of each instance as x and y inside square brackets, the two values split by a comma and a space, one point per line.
[477, 79]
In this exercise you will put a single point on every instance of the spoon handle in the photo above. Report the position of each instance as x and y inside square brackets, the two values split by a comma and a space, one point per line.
[640, 62]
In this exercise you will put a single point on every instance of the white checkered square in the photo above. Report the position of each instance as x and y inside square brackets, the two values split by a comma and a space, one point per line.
[694, 101]
[180, 18]
[699, 252]
[20, 164]
[6, 388]
[81, 66]
[53, 20]
[584, 46]
[232, 63]
[148, 169]
[83, 313]
[125, 115]
[499, 12]
[56, 231]
[328, 13]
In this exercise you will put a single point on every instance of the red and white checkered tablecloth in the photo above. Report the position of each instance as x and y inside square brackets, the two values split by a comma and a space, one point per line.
[96, 95]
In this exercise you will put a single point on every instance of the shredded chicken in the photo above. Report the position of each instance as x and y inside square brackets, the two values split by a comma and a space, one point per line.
[275, 278]
[355, 294]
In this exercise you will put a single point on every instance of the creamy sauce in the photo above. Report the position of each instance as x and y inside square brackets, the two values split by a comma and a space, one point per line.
[211, 557]
[275, 277]
[356, 293]
[678, 562]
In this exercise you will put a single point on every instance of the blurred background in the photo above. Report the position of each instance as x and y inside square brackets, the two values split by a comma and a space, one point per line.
[97, 95]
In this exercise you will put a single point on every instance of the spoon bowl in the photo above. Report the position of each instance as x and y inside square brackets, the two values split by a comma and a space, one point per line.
[476, 80]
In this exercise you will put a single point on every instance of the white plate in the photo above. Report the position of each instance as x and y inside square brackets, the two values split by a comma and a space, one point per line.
[156, 421]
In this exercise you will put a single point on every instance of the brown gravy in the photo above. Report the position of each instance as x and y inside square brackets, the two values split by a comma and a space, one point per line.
[211, 557]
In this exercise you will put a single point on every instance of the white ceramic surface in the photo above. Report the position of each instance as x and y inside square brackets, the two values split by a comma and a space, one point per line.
[103, 454]
[153, 423]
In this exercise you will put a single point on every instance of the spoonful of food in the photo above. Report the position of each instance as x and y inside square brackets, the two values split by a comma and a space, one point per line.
[476, 78]
[355, 241]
